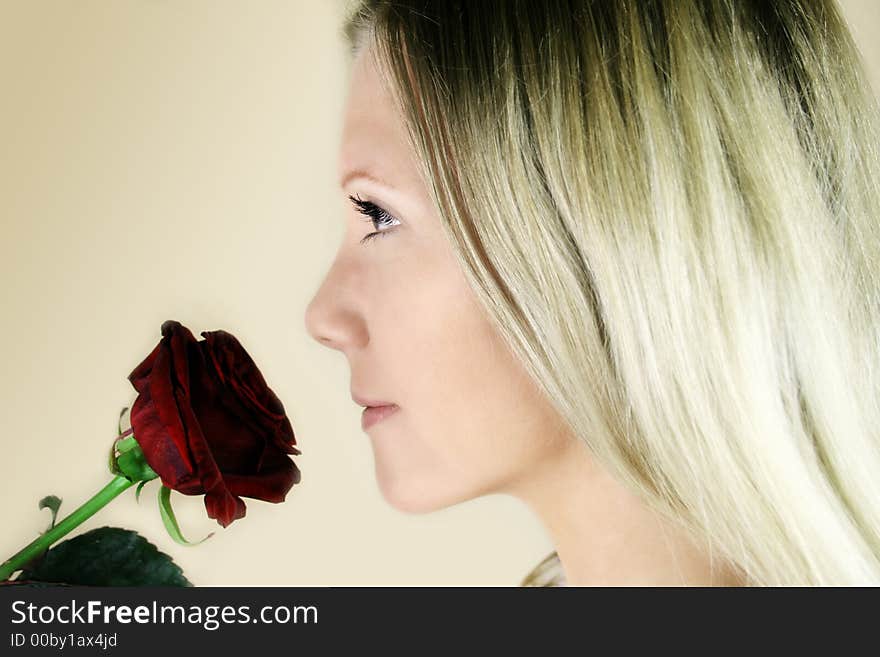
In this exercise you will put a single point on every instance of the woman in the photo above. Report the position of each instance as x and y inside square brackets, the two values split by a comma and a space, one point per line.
[623, 263]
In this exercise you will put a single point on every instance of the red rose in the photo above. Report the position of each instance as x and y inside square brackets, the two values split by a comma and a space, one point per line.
[208, 423]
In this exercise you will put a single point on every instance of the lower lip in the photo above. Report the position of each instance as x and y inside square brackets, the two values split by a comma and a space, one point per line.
[373, 414]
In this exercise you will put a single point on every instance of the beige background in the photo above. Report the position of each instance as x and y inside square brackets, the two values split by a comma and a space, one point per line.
[175, 159]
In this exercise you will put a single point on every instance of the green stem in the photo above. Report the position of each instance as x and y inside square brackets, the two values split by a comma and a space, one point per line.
[39, 545]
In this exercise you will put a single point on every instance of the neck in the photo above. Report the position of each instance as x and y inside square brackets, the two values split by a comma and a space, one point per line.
[606, 536]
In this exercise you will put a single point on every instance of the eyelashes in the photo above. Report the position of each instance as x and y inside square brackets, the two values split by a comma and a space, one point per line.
[376, 215]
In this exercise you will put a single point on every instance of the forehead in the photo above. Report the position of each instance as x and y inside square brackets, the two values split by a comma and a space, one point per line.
[374, 139]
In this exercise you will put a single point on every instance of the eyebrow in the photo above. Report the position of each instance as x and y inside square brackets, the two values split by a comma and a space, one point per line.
[365, 175]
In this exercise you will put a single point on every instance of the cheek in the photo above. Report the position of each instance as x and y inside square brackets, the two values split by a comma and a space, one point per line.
[471, 420]
[469, 416]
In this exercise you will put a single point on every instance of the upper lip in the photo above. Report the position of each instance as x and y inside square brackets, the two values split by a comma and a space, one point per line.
[363, 401]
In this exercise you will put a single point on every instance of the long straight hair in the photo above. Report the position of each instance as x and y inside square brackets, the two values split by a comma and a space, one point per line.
[670, 209]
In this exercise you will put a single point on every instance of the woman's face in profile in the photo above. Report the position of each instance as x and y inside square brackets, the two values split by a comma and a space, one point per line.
[469, 421]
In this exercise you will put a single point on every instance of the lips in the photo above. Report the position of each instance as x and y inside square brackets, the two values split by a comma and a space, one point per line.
[366, 402]
[374, 414]
[375, 410]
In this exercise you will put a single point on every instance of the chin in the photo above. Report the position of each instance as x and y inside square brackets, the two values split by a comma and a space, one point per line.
[408, 496]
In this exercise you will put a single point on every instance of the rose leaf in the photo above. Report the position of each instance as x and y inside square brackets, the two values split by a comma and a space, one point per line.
[106, 556]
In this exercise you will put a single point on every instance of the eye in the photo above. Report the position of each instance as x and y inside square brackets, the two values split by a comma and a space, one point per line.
[376, 215]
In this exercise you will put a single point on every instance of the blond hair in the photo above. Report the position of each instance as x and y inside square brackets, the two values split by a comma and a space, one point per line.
[669, 209]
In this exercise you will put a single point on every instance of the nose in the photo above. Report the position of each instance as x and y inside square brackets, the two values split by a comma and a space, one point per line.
[314, 322]
[330, 317]
[317, 319]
